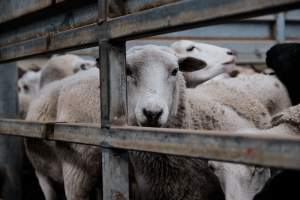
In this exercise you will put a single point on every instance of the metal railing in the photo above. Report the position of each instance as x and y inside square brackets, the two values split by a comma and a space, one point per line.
[111, 34]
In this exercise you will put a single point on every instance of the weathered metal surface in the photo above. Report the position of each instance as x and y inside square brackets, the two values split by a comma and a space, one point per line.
[115, 174]
[118, 8]
[280, 28]
[185, 14]
[113, 83]
[266, 150]
[80, 37]
[11, 9]
[77, 16]
[62, 21]
[11, 148]
[189, 14]
[115, 171]
[8, 90]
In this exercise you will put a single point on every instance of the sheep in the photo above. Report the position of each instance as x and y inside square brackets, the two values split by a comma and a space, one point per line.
[159, 100]
[221, 65]
[60, 66]
[66, 112]
[270, 91]
[219, 60]
[284, 122]
[284, 60]
[28, 87]
[281, 186]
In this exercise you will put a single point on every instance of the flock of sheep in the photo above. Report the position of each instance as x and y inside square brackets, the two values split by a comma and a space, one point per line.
[188, 86]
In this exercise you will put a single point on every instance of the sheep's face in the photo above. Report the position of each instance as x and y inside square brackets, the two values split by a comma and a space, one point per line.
[152, 81]
[82, 64]
[240, 182]
[219, 60]
[28, 84]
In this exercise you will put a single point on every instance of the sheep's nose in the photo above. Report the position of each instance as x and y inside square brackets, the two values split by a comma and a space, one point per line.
[152, 115]
[231, 53]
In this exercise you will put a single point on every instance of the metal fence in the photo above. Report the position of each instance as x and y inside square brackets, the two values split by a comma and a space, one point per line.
[53, 26]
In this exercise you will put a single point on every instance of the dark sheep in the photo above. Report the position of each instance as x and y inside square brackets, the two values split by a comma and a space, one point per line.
[285, 60]
[283, 185]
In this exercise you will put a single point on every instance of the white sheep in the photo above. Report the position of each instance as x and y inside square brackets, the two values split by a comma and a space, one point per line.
[78, 177]
[60, 66]
[28, 87]
[219, 60]
[267, 89]
[221, 65]
[159, 100]
[250, 177]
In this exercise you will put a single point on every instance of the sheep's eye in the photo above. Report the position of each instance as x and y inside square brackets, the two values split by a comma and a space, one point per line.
[174, 72]
[212, 168]
[82, 67]
[26, 88]
[128, 72]
[75, 70]
[190, 48]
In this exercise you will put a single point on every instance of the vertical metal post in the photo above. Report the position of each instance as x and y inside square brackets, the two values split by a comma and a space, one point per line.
[280, 28]
[11, 151]
[115, 171]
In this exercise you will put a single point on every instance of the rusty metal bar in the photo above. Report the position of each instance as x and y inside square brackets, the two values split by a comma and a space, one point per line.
[72, 39]
[115, 174]
[11, 148]
[115, 170]
[76, 17]
[13, 9]
[189, 14]
[113, 84]
[176, 16]
[80, 13]
[113, 112]
[265, 150]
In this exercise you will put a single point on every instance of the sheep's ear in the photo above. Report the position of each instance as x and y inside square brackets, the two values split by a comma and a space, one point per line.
[21, 72]
[190, 64]
[98, 62]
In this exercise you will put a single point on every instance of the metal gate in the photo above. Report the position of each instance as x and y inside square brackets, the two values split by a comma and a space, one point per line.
[58, 25]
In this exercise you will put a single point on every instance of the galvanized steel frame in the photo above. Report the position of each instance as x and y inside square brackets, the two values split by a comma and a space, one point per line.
[111, 34]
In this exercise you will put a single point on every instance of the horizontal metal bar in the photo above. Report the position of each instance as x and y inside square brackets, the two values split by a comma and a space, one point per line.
[75, 17]
[86, 36]
[189, 14]
[248, 51]
[265, 150]
[15, 8]
[176, 16]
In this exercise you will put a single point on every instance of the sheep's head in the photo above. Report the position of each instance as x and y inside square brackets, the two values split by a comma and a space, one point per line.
[29, 83]
[238, 181]
[218, 59]
[61, 66]
[82, 64]
[153, 78]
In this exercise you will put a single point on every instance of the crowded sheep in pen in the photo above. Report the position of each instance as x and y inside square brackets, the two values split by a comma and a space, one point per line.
[185, 83]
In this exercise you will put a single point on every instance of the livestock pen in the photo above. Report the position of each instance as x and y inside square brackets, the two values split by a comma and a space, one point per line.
[31, 27]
